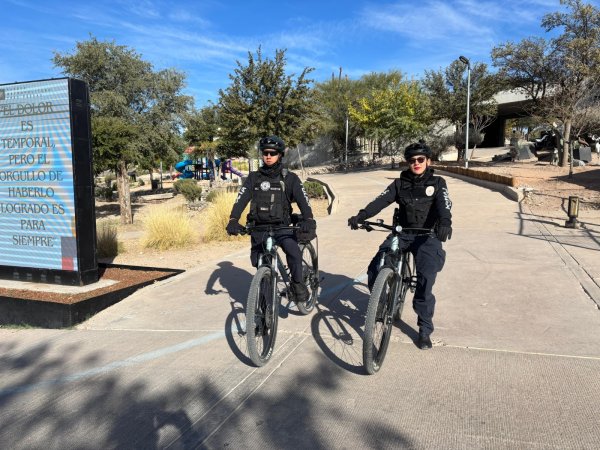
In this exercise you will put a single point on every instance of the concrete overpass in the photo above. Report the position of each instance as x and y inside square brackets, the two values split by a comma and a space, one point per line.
[511, 105]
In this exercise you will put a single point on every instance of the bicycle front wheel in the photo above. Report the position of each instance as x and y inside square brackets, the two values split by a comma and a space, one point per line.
[406, 275]
[310, 275]
[378, 324]
[261, 317]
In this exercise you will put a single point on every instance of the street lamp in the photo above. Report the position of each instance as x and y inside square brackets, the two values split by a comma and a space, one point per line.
[468, 63]
[346, 151]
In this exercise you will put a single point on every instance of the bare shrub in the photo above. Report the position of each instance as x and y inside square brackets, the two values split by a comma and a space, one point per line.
[167, 227]
[217, 216]
[107, 244]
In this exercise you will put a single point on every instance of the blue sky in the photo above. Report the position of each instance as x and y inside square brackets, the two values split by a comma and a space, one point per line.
[205, 38]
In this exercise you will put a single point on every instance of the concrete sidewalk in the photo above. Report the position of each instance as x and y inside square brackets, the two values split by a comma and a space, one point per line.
[515, 362]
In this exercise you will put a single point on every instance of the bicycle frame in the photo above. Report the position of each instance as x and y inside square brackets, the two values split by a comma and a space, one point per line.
[402, 261]
[272, 259]
[279, 271]
[395, 277]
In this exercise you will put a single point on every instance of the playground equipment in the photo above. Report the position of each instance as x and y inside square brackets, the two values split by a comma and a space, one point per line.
[183, 168]
[227, 167]
[202, 169]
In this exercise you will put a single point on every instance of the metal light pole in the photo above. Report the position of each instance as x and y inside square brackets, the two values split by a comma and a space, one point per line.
[468, 63]
[346, 152]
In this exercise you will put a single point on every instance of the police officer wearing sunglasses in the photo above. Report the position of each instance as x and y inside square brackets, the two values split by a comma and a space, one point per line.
[423, 203]
[270, 191]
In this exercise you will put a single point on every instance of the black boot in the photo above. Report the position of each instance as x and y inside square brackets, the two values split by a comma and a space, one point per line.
[424, 342]
[300, 292]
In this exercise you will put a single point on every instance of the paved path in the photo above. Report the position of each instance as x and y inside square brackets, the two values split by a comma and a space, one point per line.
[515, 362]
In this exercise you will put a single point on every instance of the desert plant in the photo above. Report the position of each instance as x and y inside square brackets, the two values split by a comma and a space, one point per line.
[314, 189]
[188, 188]
[167, 227]
[107, 244]
[210, 197]
[217, 217]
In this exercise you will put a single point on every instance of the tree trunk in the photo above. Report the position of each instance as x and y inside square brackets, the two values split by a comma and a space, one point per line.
[124, 194]
[564, 158]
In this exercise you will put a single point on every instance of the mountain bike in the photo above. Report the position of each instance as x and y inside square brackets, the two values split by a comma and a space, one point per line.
[397, 276]
[270, 283]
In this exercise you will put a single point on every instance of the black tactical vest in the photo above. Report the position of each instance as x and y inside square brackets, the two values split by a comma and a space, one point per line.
[269, 204]
[416, 203]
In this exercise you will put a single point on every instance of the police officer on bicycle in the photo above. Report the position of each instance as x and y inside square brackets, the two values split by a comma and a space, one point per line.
[270, 191]
[423, 203]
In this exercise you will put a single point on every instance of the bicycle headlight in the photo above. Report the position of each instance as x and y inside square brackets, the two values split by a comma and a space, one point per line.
[269, 244]
[398, 228]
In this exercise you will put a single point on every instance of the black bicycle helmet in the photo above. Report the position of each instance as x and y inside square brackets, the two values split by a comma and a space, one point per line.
[273, 142]
[415, 149]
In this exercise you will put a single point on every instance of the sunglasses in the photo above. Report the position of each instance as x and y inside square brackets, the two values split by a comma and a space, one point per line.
[268, 153]
[420, 160]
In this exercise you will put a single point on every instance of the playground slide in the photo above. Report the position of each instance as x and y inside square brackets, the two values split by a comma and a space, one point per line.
[228, 167]
[181, 167]
[236, 172]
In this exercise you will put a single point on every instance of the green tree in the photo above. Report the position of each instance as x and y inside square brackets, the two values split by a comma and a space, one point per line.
[332, 99]
[262, 100]
[447, 91]
[561, 75]
[202, 129]
[394, 110]
[137, 113]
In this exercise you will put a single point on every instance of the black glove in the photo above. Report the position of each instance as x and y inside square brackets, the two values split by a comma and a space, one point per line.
[444, 232]
[355, 221]
[307, 230]
[233, 227]
[308, 225]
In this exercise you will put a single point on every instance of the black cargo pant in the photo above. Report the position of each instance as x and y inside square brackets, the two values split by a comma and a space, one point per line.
[286, 240]
[429, 259]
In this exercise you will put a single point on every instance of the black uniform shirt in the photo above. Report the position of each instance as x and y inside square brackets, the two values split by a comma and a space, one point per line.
[423, 200]
[294, 191]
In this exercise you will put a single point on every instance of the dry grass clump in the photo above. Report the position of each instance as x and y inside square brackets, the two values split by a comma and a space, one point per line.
[216, 217]
[167, 227]
[107, 244]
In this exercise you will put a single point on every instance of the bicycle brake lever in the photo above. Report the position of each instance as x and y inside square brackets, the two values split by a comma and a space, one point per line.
[367, 227]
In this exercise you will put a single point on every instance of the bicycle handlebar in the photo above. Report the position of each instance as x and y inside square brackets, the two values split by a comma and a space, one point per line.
[397, 229]
[267, 228]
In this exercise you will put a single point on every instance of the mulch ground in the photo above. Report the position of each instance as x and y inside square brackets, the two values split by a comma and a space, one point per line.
[124, 277]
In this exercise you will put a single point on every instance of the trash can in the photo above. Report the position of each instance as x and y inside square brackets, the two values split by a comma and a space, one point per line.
[154, 184]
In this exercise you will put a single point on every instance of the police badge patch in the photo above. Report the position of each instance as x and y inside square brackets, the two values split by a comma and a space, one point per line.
[429, 190]
[265, 186]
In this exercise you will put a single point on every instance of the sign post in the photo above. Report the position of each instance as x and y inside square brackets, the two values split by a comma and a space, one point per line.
[47, 213]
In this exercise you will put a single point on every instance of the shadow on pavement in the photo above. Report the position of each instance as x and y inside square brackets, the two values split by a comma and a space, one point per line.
[101, 406]
[580, 238]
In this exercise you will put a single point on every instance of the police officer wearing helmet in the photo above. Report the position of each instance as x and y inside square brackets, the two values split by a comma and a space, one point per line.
[270, 191]
[423, 203]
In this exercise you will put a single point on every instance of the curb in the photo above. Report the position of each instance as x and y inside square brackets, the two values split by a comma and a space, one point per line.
[514, 194]
[331, 195]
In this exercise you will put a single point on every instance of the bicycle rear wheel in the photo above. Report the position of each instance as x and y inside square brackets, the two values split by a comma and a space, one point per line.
[310, 275]
[261, 317]
[378, 323]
